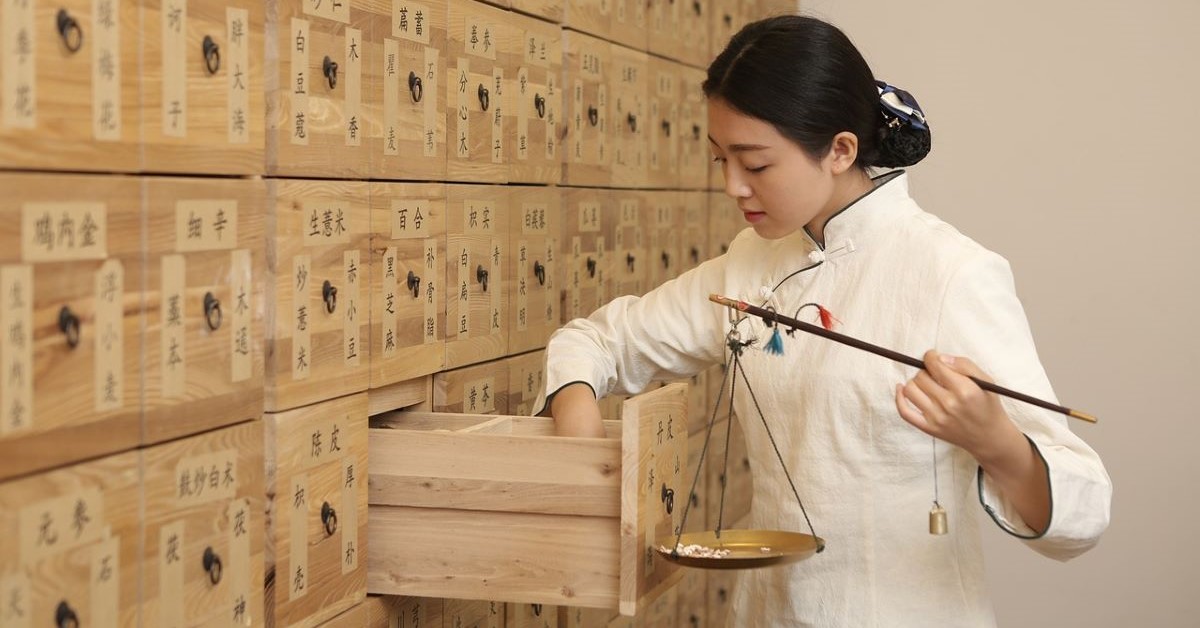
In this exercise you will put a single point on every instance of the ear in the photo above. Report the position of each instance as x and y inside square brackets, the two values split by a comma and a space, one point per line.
[843, 152]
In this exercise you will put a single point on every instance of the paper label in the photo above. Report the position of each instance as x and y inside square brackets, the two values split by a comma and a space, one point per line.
[462, 118]
[348, 524]
[338, 10]
[18, 59]
[577, 122]
[106, 70]
[326, 442]
[575, 281]
[410, 218]
[174, 68]
[110, 337]
[497, 115]
[496, 287]
[466, 278]
[353, 98]
[60, 524]
[389, 323]
[240, 521]
[526, 280]
[301, 332]
[391, 96]
[479, 216]
[349, 297]
[430, 117]
[551, 115]
[631, 215]
[602, 287]
[298, 85]
[16, 351]
[206, 478]
[410, 21]
[297, 576]
[241, 284]
[536, 49]
[479, 396]
[601, 122]
[105, 582]
[63, 232]
[17, 609]
[526, 103]
[171, 545]
[430, 291]
[237, 37]
[205, 225]
[174, 328]
[480, 37]
[327, 222]
[589, 216]
[551, 287]
[533, 219]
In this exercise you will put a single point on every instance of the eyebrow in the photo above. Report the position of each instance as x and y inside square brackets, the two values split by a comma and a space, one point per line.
[740, 148]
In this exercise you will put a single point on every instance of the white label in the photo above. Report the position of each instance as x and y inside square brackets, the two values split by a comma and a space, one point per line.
[466, 278]
[410, 21]
[410, 218]
[589, 217]
[480, 37]
[353, 104]
[171, 546]
[577, 126]
[479, 396]
[462, 117]
[105, 582]
[240, 521]
[61, 232]
[479, 216]
[551, 287]
[350, 316]
[174, 68]
[575, 281]
[18, 60]
[60, 524]
[301, 330]
[110, 337]
[390, 323]
[298, 83]
[206, 478]
[106, 70]
[296, 579]
[631, 215]
[237, 36]
[430, 118]
[17, 608]
[16, 351]
[348, 525]
[496, 287]
[601, 284]
[525, 108]
[391, 96]
[338, 10]
[497, 115]
[533, 218]
[327, 222]
[601, 122]
[536, 50]
[205, 225]
[551, 115]
[429, 292]
[525, 282]
[174, 327]
[241, 284]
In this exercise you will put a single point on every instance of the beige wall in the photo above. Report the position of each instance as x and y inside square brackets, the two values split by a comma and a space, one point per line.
[1065, 133]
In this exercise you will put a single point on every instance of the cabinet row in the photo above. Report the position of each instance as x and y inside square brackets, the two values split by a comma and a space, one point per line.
[444, 90]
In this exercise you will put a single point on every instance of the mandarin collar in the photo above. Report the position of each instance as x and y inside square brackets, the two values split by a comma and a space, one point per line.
[867, 214]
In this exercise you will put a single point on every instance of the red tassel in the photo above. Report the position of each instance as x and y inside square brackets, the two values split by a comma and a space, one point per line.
[827, 317]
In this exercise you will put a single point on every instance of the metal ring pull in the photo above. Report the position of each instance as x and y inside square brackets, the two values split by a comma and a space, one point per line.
[666, 259]
[728, 20]
[539, 104]
[330, 68]
[629, 260]
[415, 87]
[212, 55]
[481, 275]
[65, 617]
[69, 30]
[591, 267]
[212, 566]
[668, 498]
[539, 271]
[696, 132]
[329, 294]
[697, 8]
[666, 127]
[414, 284]
[695, 500]
[69, 325]
[537, 610]
[212, 311]
[632, 122]
[695, 255]
[329, 519]
[593, 116]
[483, 97]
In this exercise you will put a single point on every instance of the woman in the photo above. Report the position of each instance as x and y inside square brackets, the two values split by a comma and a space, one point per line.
[798, 122]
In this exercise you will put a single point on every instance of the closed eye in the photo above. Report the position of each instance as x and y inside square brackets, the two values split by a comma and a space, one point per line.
[757, 170]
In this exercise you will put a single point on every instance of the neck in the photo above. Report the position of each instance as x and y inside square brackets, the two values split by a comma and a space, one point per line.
[847, 188]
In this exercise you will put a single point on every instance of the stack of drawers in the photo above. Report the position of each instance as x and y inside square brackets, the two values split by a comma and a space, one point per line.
[232, 231]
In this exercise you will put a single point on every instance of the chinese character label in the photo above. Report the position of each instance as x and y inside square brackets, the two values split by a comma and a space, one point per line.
[106, 70]
[16, 348]
[173, 337]
[353, 98]
[298, 81]
[109, 351]
[174, 68]
[301, 330]
[237, 51]
[296, 576]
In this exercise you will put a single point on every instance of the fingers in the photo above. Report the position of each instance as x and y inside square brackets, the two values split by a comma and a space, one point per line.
[908, 411]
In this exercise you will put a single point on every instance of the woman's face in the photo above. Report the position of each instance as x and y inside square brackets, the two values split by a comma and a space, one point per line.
[777, 186]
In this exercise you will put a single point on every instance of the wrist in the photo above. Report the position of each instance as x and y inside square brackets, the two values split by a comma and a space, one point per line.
[1009, 448]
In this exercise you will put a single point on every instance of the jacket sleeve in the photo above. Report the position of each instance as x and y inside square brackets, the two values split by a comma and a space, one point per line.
[983, 320]
[672, 332]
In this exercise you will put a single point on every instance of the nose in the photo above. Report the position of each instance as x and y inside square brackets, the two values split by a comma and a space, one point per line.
[735, 186]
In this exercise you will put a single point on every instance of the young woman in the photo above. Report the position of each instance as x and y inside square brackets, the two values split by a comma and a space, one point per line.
[798, 122]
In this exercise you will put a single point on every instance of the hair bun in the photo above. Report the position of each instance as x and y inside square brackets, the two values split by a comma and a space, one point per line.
[902, 145]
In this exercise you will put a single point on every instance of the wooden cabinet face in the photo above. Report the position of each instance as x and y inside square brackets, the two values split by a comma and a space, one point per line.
[548, 10]
[534, 112]
[316, 536]
[629, 121]
[664, 123]
[477, 226]
[202, 86]
[593, 17]
[663, 222]
[693, 33]
[693, 248]
[536, 267]
[629, 23]
[205, 274]
[70, 545]
[407, 106]
[69, 85]
[630, 260]
[318, 261]
[479, 389]
[587, 271]
[526, 378]
[408, 281]
[202, 541]
[586, 134]
[479, 64]
[316, 89]
[695, 156]
[71, 310]
[665, 33]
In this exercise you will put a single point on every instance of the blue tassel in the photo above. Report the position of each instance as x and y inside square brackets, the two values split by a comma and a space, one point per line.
[775, 344]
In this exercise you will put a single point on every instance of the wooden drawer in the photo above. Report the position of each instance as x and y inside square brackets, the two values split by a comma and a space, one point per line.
[478, 389]
[692, 592]
[480, 60]
[536, 262]
[665, 32]
[726, 18]
[408, 281]
[586, 272]
[593, 17]
[70, 545]
[532, 616]
[629, 122]
[629, 23]
[662, 612]
[407, 106]
[663, 222]
[205, 269]
[699, 402]
[630, 260]
[202, 553]
[386, 611]
[357, 617]
[316, 88]
[317, 516]
[740, 486]
[664, 123]
[69, 85]
[526, 377]
[202, 86]
[577, 617]
[724, 223]
[475, 614]
[477, 225]
[548, 10]
[693, 33]
[586, 134]
[694, 246]
[317, 261]
[71, 277]
[695, 156]
[466, 506]
[716, 379]
[534, 109]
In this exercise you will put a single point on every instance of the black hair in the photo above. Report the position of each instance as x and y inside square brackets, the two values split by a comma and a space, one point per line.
[804, 76]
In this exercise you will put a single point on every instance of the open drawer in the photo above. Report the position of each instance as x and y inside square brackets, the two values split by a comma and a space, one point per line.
[498, 508]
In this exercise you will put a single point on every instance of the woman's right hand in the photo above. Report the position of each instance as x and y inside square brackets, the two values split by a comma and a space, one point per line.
[576, 412]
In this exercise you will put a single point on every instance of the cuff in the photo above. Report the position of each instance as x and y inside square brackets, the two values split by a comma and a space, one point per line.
[1001, 510]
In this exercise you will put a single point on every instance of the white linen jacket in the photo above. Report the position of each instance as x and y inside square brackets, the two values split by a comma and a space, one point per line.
[900, 278]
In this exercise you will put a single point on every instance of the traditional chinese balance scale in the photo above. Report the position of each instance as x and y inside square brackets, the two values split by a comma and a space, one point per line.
[747, 549]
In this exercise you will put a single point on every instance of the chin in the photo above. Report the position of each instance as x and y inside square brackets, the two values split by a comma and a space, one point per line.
[772, 232]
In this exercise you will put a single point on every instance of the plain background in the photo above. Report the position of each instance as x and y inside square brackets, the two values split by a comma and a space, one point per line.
[1064, 133]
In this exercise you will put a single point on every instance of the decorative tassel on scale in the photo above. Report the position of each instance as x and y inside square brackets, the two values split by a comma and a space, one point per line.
[774, 346]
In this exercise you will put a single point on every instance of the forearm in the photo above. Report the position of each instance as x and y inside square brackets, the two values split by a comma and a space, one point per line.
[576, 412]
[1019, 473]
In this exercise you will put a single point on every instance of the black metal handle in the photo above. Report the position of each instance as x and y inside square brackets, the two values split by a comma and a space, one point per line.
[69, 30]
[481, 275]
[722, 594]
[539, 271]
[483, 97]
[666, 259]
[330, 68]
[746, 463]
[695, 500]
[728, 19]
[629, 260]
[414, 284]
[666, 127]
[724, 249]
[65, 617]
[537, 610]
[212, 311]
[591, 267]
[539, 104]
[668, 498]
[69, 325]
[632, 119]
[415, 87]
[697, 8]
[212, 566]
[329, 519]
[696, 132]
[695, 255]
[593, 116]
[693, 620]
[212, 55]
[329, 294]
